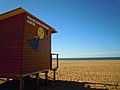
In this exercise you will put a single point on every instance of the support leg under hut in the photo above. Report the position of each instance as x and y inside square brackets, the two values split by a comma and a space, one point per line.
[54, 74]
[37, 80]
[21, 84]
[46, 77]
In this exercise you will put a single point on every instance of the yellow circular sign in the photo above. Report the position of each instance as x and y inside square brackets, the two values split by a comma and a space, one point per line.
[41, 32]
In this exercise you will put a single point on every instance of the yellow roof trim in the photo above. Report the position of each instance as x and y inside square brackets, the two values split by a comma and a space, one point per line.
[11, 13]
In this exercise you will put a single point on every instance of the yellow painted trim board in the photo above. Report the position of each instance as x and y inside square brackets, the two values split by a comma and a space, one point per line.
[11, 13]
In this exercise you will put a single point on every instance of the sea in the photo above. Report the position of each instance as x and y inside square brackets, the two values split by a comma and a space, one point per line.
[98, 58]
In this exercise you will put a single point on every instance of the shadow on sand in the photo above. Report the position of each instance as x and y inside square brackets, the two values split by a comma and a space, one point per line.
[31, 84]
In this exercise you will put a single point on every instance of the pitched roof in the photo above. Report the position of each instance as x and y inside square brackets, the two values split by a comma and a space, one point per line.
[19, 11]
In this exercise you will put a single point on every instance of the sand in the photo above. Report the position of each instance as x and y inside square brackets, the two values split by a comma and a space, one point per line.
[95, 74]
[84, 75]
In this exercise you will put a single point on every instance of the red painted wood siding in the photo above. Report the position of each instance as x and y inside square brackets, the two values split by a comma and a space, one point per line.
[34, 61]
[17, 58]
[11, 36]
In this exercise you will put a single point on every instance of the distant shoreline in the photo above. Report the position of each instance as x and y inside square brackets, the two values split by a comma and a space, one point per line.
[99, 58]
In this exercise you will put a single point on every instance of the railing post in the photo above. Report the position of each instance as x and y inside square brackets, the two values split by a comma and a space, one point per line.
[50, 61]
[57, 60]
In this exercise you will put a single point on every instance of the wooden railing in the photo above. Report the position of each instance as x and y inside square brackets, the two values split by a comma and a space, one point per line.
[53, 61]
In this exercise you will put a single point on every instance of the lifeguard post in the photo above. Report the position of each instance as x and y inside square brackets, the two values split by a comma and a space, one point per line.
[25, 45]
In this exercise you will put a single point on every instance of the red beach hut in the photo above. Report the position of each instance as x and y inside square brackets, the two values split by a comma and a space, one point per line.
[25, 45]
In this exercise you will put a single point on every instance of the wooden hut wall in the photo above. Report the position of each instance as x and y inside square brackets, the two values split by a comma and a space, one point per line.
[33, 60]
[11, 34]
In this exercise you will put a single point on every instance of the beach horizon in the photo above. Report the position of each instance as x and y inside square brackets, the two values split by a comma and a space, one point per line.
[90, 58]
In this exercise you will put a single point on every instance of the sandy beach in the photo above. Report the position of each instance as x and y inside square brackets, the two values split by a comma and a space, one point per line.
[96, 73]
[84, 75]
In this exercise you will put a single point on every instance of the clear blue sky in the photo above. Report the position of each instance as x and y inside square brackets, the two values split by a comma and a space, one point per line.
[86, 28]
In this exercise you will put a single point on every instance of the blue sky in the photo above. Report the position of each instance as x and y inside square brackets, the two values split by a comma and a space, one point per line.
[86, 28]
